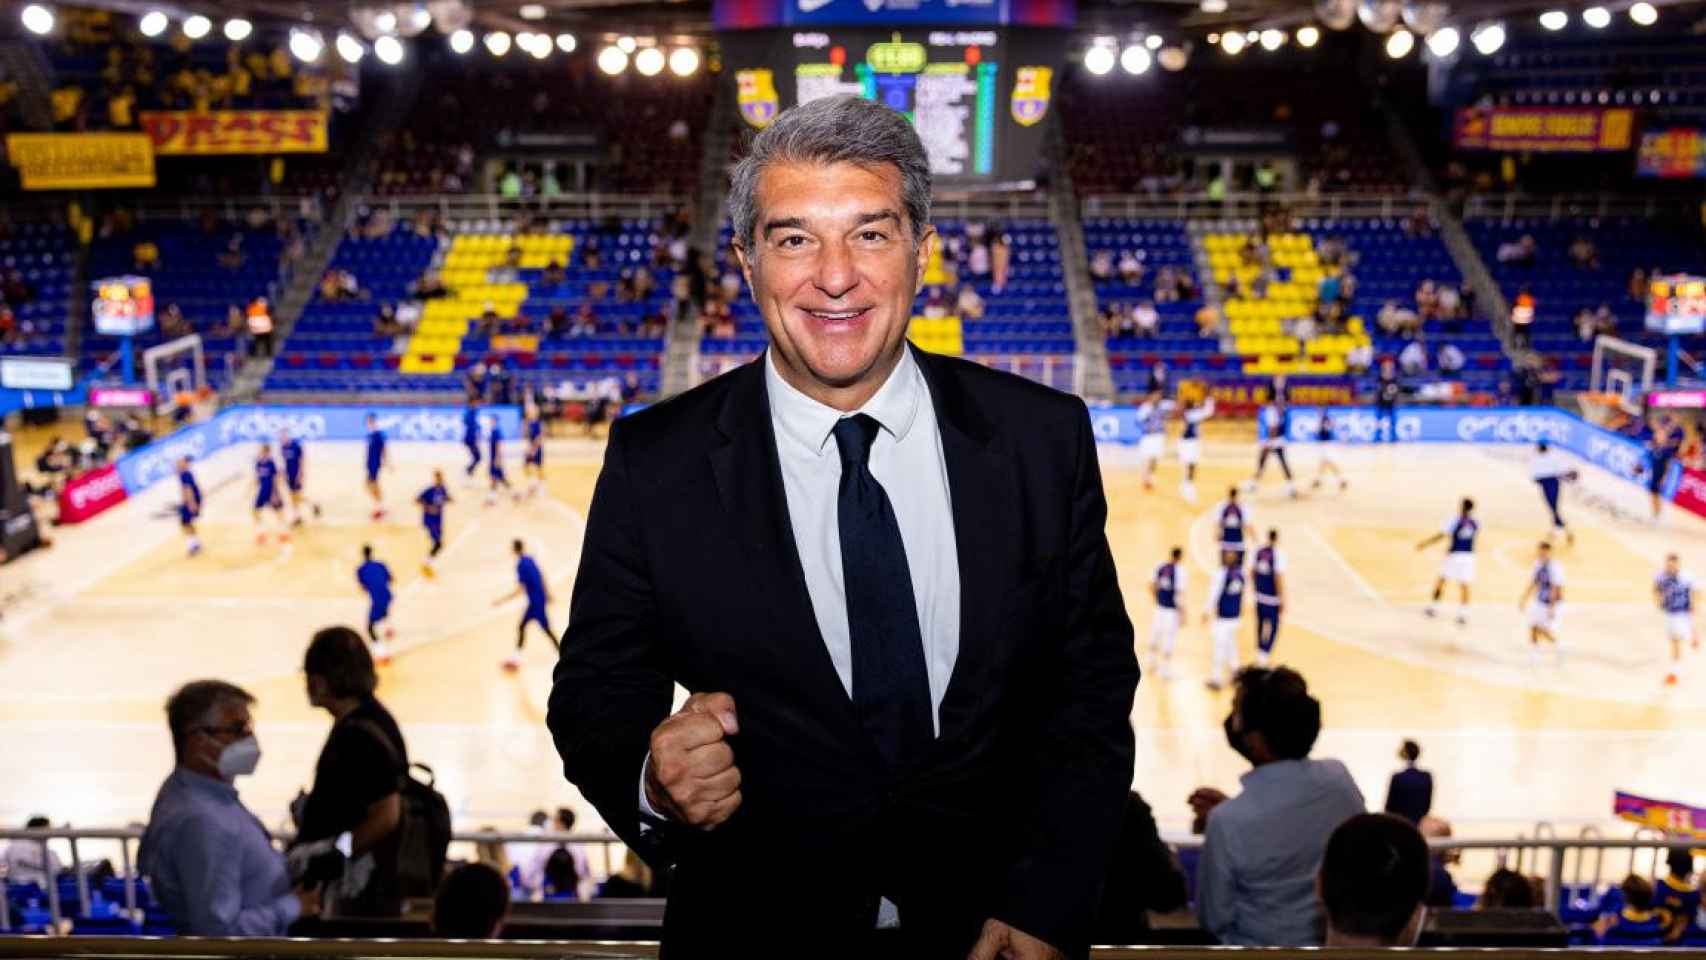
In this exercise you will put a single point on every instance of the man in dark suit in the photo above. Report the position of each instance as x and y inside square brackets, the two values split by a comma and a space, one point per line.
[1411, 793]
[883, 576]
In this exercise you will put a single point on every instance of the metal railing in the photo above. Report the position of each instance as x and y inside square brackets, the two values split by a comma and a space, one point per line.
[491, 206]
[1330, 206]
[1506, 207]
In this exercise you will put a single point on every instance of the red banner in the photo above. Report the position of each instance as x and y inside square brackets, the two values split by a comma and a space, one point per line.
[1544, 129]
[177, 132]
[1691, 491]
[90, 494]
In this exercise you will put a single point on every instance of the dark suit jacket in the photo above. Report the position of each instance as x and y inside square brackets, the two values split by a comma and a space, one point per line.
[690, 575]
[1410, 794]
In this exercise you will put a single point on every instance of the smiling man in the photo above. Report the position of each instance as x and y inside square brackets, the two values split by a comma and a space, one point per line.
[883, 578]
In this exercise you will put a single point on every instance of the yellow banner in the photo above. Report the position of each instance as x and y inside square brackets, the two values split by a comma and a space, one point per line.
[182, 132]
[81, 161]
[515, 343]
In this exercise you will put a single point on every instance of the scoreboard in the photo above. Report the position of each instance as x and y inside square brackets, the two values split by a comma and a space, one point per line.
[1676, 304]
[123, 306]
[977, 96]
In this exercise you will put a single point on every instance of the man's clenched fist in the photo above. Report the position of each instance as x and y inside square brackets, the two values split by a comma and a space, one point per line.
[692, 777]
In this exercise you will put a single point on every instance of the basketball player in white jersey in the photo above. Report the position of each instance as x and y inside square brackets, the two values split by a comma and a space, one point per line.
[1152, 422]
[1226, 607]
[1190, 445]
[1168, 589]
[1459, 563]
[1324, 442]
[1674, 590]
[1270, 433]
[1546, 588]
[1551, 470]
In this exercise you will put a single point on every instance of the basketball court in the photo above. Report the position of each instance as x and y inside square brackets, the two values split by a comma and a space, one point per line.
[96, 632]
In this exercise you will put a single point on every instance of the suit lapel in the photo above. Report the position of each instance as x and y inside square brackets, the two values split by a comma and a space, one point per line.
[981, 491]
[749, 483]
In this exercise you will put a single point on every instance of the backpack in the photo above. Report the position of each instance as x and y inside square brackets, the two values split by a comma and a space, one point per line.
[423, 834]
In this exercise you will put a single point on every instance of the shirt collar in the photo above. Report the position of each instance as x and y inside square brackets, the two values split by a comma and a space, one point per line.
[1269, 773]
[200, 781]
[811, 424]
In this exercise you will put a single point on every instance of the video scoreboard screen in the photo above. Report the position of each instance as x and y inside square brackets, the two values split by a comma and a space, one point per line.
[123, 306]
[977, 96]
[1676, 304]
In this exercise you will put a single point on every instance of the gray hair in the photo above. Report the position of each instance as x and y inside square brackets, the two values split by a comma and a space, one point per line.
[838, 129]
[195, 702]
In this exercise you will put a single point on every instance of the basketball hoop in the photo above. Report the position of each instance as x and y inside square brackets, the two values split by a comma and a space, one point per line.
[1602, 409]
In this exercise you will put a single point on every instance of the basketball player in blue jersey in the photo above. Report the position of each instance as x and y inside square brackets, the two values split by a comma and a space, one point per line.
[189, 504]
[1168, 589]
[1190, 445]
[1324, 441]
[375, 579]
[1550, 470]
[533, 464]
[471, 436]
[1226, 605]
[1663, 449]
[1546, 589]
[1229, 516]
[1267, 573]
[291, 449]
[1270, 432]
[267, 496]
[1152, 442]
[495, 464]
[432, 501]
[1459, 564]
[531, 582]
[375, 462]
[1674, 590]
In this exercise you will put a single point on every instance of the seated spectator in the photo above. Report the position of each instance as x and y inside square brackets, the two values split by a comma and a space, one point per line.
[935, 303]
[969, 305]
[509, 186]
[553, 275]
[207, 858]
[1507, 890]
[1604, 320]
[1466, 300]
[557, 322]
[232, 259]
[1442, 887]
[1583, 254]
[1262, 849]
[10, 332]
[385, 321]
[1166, 285]
[1419, 224]
[728, 285]
[1636, 923]
[1374, 877]
[1131, 269]
[719, 319]
[634, 881]
[173, 323]
[1143, 876]
[1303, 328]
[471, 904]
[1397, 321]
[625, 286]
[1146, 321]
[489, 321]
[1638, 285]
[644, 284]
[1332, 250]
[1587, 328]
[1427, 301]
[145, 256]
[1447, 303]
[591, 255]
[586, 322]
[1102, 265]
[358, 777]
[977, 260]
[1208, 317]
[1677, 895]
[429, 287]
[1413, 359]
[1359, 358]
[1522, 316]
[1327, 291]
[24, 860]
[1451, 360]
[1520, 253]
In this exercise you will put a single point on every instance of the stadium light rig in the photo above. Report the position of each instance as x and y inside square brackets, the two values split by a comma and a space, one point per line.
[1308, 36]
[1099, 59]
[1399, 43]
[1644, 13]
[389, 50]
[1135, 60]
[497, 43]
[1554, 20]
[626, 45]
[153, 23]
[1488, 37]
[237, 29]
[351, 49]
[37, 19]
[1272, 39]
[1597, 17]
[649, 62]
[683, 61]
[1443, 42]
[1213, 6]
[612, 60]
[462, 41]
[197, 26]
[1153, 42]
[306, 45]
[566, 42]
[1232, 43]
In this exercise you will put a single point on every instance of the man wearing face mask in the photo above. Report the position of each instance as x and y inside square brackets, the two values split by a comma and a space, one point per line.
[209, 860]
[1262, 849]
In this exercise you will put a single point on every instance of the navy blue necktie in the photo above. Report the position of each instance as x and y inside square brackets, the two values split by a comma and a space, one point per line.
[891, 686]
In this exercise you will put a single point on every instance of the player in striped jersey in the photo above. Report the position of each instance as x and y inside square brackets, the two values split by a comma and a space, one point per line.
[1190, 445]
[1459, 564]
[1674, 590]
[1546, 588]
[1168, 589]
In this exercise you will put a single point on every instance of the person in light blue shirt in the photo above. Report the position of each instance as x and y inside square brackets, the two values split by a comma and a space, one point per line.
[1262, 848]
[209, 860]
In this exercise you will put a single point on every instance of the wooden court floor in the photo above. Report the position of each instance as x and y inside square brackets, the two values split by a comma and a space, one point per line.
[95, 632]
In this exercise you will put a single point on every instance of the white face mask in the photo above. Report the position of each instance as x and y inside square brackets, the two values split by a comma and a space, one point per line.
[239, 758]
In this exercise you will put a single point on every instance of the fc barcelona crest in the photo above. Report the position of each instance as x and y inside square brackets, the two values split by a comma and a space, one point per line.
[1030, 94]
[758, 100]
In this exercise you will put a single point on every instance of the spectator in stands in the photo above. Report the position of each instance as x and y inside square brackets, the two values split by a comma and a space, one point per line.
[145, 256]
[1507, 890]
[553, 275]
[1604, 320]
[977, 260]
[1522, 316]
[429, 287]
[1448, 305]
[1678, 895]
[1145, 320]
[471, 904]
[1166, 285]
[358, 777]
[1208, 317]
[173, 323]
[1131, 269]
[492, 853]
[729, 285]
[1451, 360]
[969, 305]
[1520, 253]
[1638, 285]
[1419, 223]
[1332, 250]
[634, 881]
[489, 320]
[1359, 358]
[232, 259]
[385, 321]
[586, 322]
[1397, 321]
[1587, 328]
[935, 303]
[24, 862]
[1583, 254]
[207, 858]
[1442, 887]
[1143, 876]
[1374, 878]
[509, 185]
[1427, 301]
[591, 255]
[1102, 266]
[9, 331]
[1413, 359]
[1466, 300]
[1636, 923]
[16, 289]
[1327, 291]
[557, 322]
[1261, 849]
